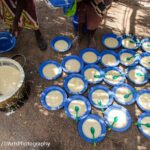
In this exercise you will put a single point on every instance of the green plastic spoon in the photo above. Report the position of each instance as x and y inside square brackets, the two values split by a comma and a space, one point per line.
[143, 124]
[98, 76]
[132, 41]
[100, 104]
[112, 125]
[129, 58]
[116, 77]
[148, 45]
[127, 95]
[141, 75]
[93, 134]
[77, 111]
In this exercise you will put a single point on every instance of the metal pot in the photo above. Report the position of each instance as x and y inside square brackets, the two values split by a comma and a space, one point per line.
[7, 100]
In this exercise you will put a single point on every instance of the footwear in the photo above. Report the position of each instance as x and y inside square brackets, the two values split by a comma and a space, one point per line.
[40, 40]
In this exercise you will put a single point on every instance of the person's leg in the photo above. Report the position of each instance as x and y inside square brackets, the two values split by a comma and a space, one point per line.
[31, 13]
[81, 7]
[93, 21]
[40, 40]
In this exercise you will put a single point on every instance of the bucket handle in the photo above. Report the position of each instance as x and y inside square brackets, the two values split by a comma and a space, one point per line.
[21, 56]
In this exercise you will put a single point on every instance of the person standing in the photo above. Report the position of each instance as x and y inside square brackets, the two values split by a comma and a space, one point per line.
[19, 14]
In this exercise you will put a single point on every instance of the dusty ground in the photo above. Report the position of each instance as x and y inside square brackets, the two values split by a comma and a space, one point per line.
[33, 123]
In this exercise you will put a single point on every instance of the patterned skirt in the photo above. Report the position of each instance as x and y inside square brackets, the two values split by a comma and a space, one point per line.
[28, 17]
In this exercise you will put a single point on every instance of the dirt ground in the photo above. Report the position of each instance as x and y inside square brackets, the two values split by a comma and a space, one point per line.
[33, 123]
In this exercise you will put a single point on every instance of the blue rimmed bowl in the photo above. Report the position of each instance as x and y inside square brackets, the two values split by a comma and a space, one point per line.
[124, 94]
[109, 58]
[102, 93]
[90, 55]
[114, 76]
[142, 119]
[124, 118]
[137, 75]
[70, 62]
[61, 38]
[130, 42]
[77, 101]
[145, 60]
[146, 42]
[50, 99]
[143, 100]
[75, 84]
[92, 121]
[129, 58]
[50, 66]
[7, 42]
[113, 37]
[93, 74]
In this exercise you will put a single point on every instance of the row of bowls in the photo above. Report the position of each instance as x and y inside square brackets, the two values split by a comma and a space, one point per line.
[87, 120]
[8, 42]
[93, 74]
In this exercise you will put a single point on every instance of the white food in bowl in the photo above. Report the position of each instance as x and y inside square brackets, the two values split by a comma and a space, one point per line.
[61, 45]
[54, 98]
[80, 104]
[72, 65]
[144, 100]
[146, 47]
[111, 42]
[50, 71]
[136, 78]
[124, 60]
[90, 73]
[88, 124]
[89, 57]
[75, 85]
[145, 120]
[122, 118]
[109, 77]
[128, 44]
[102, 95]
[145, 61]
[121, 92]
[109, 60]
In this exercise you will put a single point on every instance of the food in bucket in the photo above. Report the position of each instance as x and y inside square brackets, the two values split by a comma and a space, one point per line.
[9, 80]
